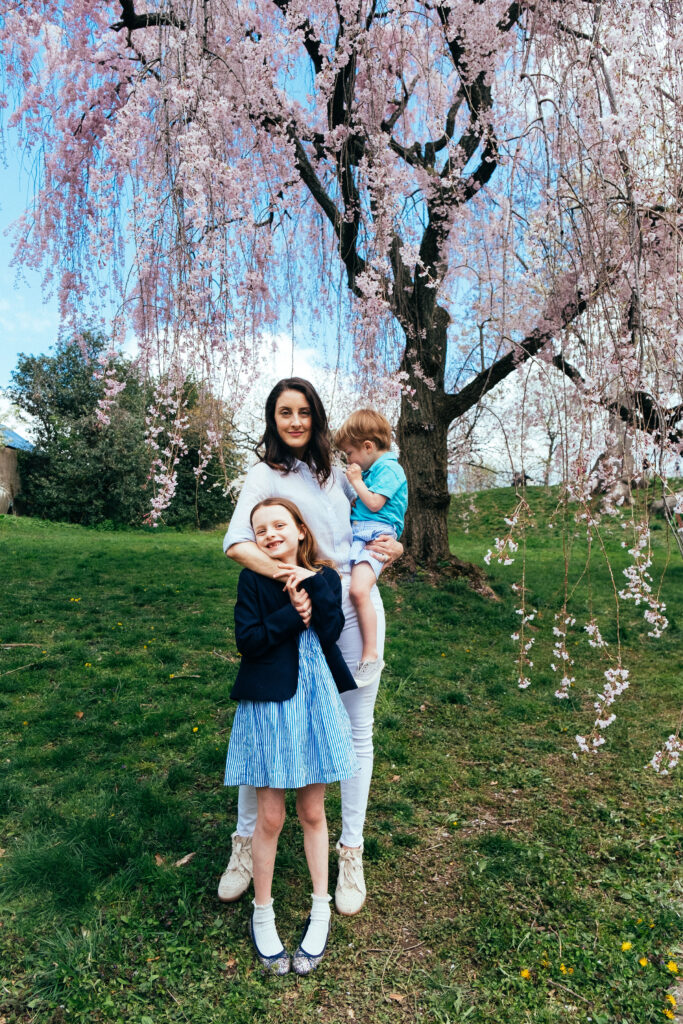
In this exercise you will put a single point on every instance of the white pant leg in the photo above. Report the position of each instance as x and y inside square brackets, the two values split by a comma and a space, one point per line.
[247, 810]
[360, 705]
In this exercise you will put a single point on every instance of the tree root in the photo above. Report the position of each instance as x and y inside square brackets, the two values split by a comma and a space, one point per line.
[406, 569]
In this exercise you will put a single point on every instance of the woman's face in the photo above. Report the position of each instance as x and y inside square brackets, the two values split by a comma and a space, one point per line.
[294, 421]
[276, 533]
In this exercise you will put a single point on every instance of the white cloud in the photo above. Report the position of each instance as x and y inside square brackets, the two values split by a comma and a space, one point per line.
[16, 419]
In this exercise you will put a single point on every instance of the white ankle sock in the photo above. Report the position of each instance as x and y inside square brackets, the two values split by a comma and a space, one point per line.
[315, 938]
[265, 932]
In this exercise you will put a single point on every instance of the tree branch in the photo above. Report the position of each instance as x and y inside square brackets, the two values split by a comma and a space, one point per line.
[311, 42]
[456, 405]
[354, 263]
[132, 21]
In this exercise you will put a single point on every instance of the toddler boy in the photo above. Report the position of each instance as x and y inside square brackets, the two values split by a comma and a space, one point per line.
[380, 483]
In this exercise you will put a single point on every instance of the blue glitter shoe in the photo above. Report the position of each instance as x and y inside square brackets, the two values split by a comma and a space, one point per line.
[280, 963]
[303, 962]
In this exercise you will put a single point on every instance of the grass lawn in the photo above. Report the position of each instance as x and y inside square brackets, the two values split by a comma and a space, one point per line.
[508, 883]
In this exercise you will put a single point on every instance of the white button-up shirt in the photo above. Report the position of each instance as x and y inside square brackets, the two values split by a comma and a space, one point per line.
[326, 510]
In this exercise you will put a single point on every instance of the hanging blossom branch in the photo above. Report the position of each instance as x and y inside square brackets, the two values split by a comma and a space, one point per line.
[524, 662]
[163, 473]
[503, 550]
[112, 388]
[579, 487]
[617, 682]
[562, 658]
[666, 759]
[206, 449]
[639, 581]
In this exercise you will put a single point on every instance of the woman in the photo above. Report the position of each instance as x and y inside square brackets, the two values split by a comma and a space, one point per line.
[296, 463]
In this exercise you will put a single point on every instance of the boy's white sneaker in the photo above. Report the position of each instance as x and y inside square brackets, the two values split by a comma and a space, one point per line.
[368, 672]
[351, 893]
[237, 876]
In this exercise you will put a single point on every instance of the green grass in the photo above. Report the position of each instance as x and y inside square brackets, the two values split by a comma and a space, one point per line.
[489, 850]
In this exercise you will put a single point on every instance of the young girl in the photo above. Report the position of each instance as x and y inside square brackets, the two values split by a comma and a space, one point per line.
[290, 730]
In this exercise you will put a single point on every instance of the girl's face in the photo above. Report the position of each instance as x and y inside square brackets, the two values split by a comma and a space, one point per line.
[276, 533]
[294, 421]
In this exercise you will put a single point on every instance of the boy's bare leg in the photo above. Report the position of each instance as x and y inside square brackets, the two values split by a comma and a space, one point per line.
[363, 579]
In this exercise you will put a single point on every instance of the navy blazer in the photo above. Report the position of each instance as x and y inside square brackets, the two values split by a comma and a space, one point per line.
[267, 627]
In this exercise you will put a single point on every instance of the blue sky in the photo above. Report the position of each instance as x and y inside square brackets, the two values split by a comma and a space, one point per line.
[26, 323]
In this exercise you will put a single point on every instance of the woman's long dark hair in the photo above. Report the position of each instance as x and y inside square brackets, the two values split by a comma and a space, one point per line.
[272, 450]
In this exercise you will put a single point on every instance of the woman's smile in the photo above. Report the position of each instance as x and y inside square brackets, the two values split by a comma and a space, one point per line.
[293, 420]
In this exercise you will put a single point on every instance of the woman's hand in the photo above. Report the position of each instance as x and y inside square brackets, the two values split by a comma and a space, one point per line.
[385, 548]
[300, 599]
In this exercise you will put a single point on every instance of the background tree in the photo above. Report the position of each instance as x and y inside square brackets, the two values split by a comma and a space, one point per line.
[209, 463]
[92, 467]
[492, 180]
[79, 472]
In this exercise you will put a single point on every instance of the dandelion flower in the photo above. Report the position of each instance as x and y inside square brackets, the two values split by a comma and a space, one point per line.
[670, 999]
[672, 966]
[195, 728]
[625, 946]
[525, 973]
[643, 961]
[668, 1013]
[563, 968]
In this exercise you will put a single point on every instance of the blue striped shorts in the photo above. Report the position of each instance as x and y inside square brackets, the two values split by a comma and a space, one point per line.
[365, 530]
[296, 742]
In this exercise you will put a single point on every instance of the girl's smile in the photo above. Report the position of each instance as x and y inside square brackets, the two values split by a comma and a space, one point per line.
[276, 533]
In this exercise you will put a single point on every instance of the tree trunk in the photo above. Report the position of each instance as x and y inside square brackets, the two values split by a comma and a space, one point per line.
[422, 435]
[424, 457]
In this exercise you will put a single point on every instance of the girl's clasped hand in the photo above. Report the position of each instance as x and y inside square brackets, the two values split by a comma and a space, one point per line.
[294, 575]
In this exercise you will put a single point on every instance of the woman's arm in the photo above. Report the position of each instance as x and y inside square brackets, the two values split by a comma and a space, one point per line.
[249, 556]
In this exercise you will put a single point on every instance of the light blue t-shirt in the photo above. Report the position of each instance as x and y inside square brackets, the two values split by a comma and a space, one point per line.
[384, 477]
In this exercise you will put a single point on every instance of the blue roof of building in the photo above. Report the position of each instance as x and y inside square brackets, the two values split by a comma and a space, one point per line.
[11, 439]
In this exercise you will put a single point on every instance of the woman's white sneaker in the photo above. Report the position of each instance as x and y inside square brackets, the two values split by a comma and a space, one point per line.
[237, 876]
[350, 894]
[368, 672]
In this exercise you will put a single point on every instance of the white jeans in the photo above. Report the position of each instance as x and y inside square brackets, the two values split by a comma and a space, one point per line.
[360, 705]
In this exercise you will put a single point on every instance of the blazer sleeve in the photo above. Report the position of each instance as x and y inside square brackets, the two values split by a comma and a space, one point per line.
[258, 632]
[327, 617]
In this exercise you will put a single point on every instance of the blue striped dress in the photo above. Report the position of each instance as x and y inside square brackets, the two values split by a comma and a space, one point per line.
[296, 742]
